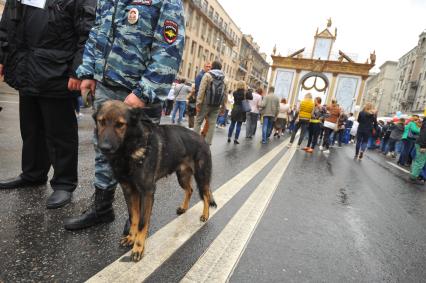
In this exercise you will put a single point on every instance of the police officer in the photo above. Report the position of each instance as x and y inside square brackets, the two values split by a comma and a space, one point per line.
[41, 46]
[133, 55]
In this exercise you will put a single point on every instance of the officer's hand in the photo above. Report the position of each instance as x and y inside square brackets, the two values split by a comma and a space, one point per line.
[133, 101]
[1, 70]
[423, 150]
[88, 85]
[74, 84]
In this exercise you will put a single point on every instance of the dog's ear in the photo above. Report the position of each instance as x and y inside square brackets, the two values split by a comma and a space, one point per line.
[139, 115]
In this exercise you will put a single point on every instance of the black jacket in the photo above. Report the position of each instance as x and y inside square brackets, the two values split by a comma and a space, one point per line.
[367, 122]
[421, 140]
[41, 48]
[237, 114]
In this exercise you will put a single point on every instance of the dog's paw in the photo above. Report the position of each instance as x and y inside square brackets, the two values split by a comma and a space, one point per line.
[180, 211]
[204, 218]
[137, 253]
[127, 241]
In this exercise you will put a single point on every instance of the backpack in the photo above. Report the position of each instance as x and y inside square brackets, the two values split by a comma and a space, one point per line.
[215, 93]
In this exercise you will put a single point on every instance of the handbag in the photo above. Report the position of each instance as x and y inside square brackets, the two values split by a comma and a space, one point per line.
[411, 135]
[245, 105]
[330, 125]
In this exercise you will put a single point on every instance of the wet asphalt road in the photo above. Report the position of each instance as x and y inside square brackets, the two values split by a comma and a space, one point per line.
[332, 219]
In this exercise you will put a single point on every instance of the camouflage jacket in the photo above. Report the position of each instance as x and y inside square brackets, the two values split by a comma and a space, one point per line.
[137, 44]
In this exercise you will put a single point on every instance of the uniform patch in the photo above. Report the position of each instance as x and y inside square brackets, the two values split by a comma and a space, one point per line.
[133, 16]
[170, 31]
[142, 2]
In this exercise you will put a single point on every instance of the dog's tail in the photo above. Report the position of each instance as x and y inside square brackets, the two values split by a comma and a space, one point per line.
[203, 174]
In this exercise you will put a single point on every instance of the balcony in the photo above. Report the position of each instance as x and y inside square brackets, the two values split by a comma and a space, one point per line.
[214, 21]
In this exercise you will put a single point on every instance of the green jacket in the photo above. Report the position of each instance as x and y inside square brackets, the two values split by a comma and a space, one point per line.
[414, 129]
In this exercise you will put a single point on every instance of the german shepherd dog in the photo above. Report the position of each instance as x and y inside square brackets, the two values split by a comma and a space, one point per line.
[140, 153]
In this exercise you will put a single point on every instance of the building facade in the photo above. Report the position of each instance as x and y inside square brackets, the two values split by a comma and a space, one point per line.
[211, 34]
[409, 95]
[380, 88]
[322, 74]
[253, 67]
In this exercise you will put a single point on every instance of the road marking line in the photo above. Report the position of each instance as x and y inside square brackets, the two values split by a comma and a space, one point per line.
[13, 102]
[161, 245]
[218, 262]
[396, 166]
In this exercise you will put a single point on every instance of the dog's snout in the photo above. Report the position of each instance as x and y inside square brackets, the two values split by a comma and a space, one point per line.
[105, 147]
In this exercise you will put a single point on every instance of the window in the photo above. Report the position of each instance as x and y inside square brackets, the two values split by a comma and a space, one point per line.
[193, 47]
[211, 12]
[189, 70]
[200, 51]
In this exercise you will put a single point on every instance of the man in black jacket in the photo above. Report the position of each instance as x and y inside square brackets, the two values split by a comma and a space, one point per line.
[420, 160]
[40, 49]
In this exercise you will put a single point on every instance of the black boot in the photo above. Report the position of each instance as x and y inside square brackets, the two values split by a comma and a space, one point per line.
[100, 211]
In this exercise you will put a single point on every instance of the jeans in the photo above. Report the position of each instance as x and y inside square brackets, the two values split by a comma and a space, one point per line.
[314, 131]
[407, 147]
[326, 139]
[238, 130]
[391, 145]
[362, 141]
[303, 125]
[251, 125]
[268, 122]
[181, 105]
[384, 144]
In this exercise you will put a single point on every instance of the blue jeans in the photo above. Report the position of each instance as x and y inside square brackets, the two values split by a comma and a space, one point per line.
[362, 141]
[407, 147]
[231, 129]
[267, 127]
[181, 105]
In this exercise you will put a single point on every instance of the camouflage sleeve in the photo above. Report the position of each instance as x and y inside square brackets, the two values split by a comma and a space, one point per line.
[166, 53]
[87, 68]
[84, 18]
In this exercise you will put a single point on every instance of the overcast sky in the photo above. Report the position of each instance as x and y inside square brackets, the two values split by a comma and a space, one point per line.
[391, 27]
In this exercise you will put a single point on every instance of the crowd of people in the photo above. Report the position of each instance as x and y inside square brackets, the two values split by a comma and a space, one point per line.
[320, 125]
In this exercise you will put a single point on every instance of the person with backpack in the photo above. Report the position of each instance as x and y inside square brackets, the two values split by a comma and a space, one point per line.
[211, 99]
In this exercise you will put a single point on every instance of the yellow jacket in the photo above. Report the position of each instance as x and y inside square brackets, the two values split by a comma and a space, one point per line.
[306, 108]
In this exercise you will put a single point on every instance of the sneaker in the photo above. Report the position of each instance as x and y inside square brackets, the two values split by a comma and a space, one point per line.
[236, 142]
[361, 155]
[309, 150]
[229, 140]
[264, 142]
[415, 181]
[321, 148]
[306, 148]
[327, 151]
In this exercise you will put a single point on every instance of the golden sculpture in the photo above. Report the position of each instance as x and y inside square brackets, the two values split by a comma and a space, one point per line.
[329, 23]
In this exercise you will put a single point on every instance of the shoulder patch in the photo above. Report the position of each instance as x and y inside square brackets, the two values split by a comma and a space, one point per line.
[170, 31]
